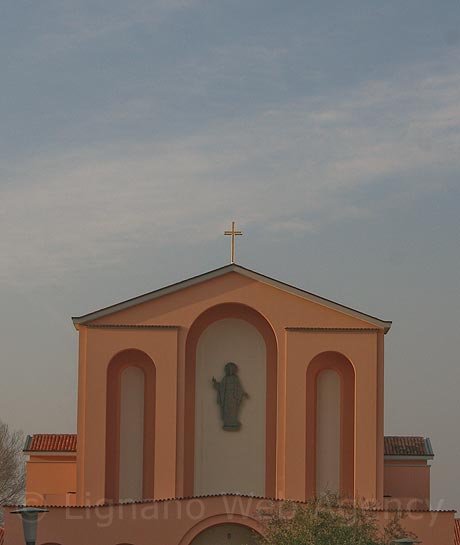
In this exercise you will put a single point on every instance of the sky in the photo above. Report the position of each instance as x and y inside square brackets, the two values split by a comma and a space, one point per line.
[133, 133]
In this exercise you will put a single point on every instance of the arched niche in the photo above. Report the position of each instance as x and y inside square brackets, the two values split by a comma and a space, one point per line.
[330, 389]
[132, 403]
[230, 461]
[328, 432]
[128, 371]
[214, 314]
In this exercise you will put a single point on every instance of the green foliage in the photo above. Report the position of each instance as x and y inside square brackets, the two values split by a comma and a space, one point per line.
[327, 521]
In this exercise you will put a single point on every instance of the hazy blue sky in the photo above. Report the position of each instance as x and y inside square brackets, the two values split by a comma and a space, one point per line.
[132, 133]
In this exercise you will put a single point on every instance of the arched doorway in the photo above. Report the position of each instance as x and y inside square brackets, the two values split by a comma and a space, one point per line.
[226, 534]
[250, 323]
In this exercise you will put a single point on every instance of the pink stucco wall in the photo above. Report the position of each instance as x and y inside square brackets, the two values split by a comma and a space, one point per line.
[407, 485]
[177, 522]
[51, 480]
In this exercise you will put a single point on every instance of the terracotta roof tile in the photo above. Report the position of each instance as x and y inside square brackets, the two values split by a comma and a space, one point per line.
[407, 446]
[63, 442]
[2, 534]
[457, 532]
[394, 446]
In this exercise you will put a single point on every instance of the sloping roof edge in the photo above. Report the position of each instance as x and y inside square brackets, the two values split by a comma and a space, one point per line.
[150, 296]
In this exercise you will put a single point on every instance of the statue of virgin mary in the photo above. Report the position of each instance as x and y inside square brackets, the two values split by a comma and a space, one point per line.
[230, 395]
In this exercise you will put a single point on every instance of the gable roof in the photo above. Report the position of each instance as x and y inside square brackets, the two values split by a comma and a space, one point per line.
[77, 320]
[51, 442]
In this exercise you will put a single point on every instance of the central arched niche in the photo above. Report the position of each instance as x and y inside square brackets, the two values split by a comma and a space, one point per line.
[230, 461]
[226, 534]
[240, 325]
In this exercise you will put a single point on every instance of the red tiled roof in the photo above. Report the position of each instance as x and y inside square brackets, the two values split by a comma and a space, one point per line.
[457, 532]
[407, 446]
[394, 446]
[44, 442]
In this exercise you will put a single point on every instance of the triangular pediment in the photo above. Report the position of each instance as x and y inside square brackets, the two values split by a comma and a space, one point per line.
[216, 273]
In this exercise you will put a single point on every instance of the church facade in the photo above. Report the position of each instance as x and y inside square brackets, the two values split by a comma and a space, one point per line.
[201, 401]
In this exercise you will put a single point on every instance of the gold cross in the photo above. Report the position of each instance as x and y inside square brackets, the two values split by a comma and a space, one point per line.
[233, 233]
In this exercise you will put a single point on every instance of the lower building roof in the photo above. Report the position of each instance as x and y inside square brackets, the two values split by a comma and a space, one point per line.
[395, 446]
[51, 442]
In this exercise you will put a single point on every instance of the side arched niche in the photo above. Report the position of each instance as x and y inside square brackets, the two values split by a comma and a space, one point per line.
[330, 433]
[130, 426]
[231, 313]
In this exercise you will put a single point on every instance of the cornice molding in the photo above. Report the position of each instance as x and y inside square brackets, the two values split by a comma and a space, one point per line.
[131, 326]
[408, 457]
[333, 329]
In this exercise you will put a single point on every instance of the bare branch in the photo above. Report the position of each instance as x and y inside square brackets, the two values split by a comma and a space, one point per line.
[12, 467]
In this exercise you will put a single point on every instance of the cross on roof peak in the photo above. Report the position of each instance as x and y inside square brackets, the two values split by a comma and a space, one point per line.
[233, 234]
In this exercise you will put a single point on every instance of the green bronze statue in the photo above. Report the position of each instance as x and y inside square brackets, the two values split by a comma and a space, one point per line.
[230, 395]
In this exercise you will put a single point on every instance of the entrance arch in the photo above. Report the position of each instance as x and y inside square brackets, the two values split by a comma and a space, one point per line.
[226, 534]
[237, 525]
[239, 312]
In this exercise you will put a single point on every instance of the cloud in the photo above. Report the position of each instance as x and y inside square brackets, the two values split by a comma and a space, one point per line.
[70, 24]
[298, 168]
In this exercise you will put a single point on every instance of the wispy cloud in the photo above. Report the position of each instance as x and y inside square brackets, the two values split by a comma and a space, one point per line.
[71, 24]
[298, 167]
